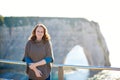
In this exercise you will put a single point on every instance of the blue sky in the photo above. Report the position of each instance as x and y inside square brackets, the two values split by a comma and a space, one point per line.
[105, 12]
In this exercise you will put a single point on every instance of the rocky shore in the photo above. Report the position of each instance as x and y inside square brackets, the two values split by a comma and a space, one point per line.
[106, 75]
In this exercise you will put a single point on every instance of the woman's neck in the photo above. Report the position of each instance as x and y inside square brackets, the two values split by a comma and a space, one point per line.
[38, 40]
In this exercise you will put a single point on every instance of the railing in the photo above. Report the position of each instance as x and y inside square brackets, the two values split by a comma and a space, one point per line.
[61, 70]
[61, 66]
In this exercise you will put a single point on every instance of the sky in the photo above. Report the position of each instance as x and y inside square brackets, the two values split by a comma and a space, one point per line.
[105, 12]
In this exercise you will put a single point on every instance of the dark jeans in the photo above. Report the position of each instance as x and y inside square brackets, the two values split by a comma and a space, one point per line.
[45, 79]
[48, 78]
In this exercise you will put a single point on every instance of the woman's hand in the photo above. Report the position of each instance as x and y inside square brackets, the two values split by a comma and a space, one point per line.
[32, 66]
[38, 73]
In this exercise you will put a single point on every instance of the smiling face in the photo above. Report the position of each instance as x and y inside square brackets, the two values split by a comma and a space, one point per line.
[39, 33]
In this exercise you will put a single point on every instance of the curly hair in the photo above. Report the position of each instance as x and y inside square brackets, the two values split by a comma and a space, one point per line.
[45, 37]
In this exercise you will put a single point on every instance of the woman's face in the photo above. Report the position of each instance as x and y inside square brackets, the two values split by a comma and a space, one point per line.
[39, 33]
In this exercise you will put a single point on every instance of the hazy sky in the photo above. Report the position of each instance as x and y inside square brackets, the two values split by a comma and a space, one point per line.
[105, 12]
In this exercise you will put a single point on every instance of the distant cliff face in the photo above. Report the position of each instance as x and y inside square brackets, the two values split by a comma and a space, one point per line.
[65, 34]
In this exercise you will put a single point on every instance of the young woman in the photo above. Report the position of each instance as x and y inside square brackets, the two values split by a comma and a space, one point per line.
[38, 54]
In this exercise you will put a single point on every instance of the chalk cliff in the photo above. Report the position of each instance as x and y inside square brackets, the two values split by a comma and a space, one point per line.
[65, 34]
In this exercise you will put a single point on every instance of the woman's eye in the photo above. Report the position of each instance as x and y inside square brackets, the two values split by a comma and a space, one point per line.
[41, 31]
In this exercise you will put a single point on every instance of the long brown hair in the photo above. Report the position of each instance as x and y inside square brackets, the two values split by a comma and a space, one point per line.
[45, 37]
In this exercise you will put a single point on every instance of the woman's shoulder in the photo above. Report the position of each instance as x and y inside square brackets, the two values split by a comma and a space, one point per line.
[29, 42]
[48, 42]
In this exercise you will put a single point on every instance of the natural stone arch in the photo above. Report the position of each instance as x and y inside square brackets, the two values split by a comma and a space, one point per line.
[76, 56]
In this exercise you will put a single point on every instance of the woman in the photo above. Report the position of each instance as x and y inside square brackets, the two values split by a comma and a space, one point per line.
[38, 54]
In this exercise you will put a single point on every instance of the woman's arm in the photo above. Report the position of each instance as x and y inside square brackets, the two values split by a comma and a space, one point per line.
[47, 60]
[42, 62]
